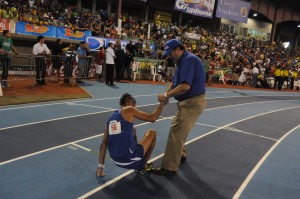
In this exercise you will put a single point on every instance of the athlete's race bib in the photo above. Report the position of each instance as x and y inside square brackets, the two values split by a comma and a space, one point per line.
[114, 127]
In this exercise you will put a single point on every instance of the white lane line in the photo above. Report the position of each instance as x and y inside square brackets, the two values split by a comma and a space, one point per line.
[86, 114]
[115, 180]
[62, 118]
[70, 143]
[46, 150]
[58, 103]
[255, 169]
[59, 146]
[51, 120]
[193, 140]
[208, 125]
[77, 104]
[102, 99]
[240, 131]
[79, 146]
[252, 134]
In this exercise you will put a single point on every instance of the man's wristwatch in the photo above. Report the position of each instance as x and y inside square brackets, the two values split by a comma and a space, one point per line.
[101, 166]
[166, 95]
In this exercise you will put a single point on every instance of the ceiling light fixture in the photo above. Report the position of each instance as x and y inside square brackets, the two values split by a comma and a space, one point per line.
[255, 14]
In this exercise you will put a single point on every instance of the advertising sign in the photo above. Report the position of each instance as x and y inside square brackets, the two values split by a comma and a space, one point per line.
[6, 24]
[96, 42]
[32, 29]
[66, 33]
[203, 8]
[235, 10]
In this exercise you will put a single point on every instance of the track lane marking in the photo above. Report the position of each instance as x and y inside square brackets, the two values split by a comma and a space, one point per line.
[86, 114]
[239, 131]
[193, 140]
[82, 147]
[102, 99]
[258, 165]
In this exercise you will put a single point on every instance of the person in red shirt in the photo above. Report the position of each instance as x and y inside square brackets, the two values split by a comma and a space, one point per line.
[100, 61]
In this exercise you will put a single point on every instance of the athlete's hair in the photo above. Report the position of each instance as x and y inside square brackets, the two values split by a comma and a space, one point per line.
[126, 98]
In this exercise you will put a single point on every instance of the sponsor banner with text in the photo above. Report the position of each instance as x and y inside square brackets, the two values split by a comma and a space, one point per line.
[203, 8]
[235, 10]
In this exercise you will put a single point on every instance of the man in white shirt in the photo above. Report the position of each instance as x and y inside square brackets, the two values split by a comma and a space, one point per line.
[242, 79]
[255, 73]
[40, 50]
[110, 64]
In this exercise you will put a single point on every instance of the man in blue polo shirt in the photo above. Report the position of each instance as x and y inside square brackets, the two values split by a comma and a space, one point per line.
[188, 88]
[82, 61]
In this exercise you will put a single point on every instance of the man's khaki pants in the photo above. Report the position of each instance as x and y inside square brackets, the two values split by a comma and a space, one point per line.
[189, 111]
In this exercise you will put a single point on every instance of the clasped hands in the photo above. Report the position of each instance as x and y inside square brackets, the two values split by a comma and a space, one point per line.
[162, 98]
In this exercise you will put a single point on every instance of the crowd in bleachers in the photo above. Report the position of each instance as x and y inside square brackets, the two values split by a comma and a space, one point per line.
[250, 61]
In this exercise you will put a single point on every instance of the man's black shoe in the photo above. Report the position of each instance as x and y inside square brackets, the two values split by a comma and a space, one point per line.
[162, 172]
[112, 85]
[183, 159]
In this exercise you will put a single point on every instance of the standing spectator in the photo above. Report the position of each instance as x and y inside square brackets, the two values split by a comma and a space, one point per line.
[188, 88]
[130, 47]
[128, 64]
[88, 59]
[255, 73]
[70, 53]
[161, 69]
[294, 75]
[56, 58]
[139, 48]
[6, 46]
[285, 75]
[110, 64]
[242, 79]
[40, 50]
[120, 56]
[170, 68]
[211, 72]
[278, 78]
[100, 61]
[82, 61]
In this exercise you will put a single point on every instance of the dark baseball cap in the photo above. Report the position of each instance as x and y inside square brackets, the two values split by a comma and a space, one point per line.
[170, 45]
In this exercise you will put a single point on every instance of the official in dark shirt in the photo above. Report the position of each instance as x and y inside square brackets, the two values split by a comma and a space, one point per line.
[120, 57]
[127, 64]
[57, 51]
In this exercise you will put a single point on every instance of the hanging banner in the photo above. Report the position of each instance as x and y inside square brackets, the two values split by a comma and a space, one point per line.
[203, 8]
[96, 42]
[235, 10]
[32, 29]
[7, 24]
[66, 33]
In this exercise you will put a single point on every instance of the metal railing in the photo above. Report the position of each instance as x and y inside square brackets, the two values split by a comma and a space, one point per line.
[38, 70]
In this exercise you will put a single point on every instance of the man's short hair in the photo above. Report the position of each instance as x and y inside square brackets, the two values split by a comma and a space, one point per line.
[82, 42]
[39, 38]
[126, 98]
[5, 32]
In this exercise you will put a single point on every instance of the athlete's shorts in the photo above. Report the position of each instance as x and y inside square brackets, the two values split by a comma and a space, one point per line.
[135, 160]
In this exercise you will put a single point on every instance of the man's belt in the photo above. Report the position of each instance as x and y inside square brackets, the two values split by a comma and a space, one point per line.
[190, 97]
